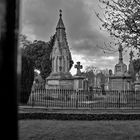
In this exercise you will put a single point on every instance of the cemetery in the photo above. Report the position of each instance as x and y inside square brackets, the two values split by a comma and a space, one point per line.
[103, 105]
[62, 90]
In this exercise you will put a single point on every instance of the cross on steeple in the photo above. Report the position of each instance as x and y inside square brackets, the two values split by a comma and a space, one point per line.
[78, 67]
[60, 24]
[60, 13]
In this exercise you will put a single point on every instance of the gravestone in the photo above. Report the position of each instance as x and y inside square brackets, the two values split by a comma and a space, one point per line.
[121, 79]
[78, 78]
[78, 67]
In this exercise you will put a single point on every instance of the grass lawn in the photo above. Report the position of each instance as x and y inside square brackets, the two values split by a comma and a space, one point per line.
[78, 130]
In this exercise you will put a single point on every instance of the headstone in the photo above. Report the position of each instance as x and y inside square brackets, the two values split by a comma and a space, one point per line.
[121, 79]
[78, 78]
[78, 67]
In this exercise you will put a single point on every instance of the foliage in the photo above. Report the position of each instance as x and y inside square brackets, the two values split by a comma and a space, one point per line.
[136, 64]
[71, 63]
[40, 52]
[27, 77]
[122, 20]
[24, 42]
[93, 69]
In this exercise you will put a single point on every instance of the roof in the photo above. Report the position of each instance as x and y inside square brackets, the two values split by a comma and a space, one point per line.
[60, 24]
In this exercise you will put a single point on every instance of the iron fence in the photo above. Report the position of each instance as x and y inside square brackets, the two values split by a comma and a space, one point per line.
[61, 98]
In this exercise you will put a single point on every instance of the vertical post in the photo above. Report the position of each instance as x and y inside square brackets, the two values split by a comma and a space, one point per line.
[77, 99]
[8, 66]
[119, 99]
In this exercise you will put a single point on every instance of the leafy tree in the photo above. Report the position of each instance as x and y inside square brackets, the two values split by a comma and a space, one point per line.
[122, 21]
[93, 69]
[23, 41]
[27, 70]
[40, 52]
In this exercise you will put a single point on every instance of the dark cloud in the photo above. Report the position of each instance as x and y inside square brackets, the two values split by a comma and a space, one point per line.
[42, 16]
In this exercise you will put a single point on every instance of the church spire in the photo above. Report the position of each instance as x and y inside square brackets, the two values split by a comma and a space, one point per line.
[61, 55]
[60, 24]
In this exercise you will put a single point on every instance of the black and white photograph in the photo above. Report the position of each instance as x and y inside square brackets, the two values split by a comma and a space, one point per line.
[73, 68]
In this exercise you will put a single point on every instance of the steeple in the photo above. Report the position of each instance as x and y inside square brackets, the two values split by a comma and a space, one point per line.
[60, 30]
[60, 24]
[61, 54]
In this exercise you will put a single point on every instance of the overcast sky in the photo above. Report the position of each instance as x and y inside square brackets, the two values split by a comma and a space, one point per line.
[39, 19]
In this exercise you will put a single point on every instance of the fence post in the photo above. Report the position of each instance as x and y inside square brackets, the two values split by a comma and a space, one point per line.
[119, 99]
[76, 99]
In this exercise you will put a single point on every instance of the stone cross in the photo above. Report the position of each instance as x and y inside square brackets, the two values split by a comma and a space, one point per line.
[78, 67]
[120, 49]
[60, 12]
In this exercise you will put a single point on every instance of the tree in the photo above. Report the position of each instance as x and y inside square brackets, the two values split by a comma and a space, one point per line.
[23, 41]
[27, 70]
[40, 52]
[93, 69]
[122, 21]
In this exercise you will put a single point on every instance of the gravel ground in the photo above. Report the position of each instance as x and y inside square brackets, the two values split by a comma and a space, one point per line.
[78, 130]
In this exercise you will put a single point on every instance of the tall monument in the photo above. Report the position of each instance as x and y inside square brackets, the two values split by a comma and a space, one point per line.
[60, 76]
[121, 80]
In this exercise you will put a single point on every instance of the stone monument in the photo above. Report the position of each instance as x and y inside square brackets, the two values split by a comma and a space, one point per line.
[121, 79]
[60, 77]
[78, 78]
[78, 66]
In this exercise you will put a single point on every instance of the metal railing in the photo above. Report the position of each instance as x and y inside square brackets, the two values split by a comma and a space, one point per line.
[61, 98]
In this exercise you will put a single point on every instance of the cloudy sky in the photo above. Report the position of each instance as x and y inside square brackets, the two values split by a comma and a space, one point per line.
[39, 19]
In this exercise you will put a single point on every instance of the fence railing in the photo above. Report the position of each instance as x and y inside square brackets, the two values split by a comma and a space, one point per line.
[61, 98]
